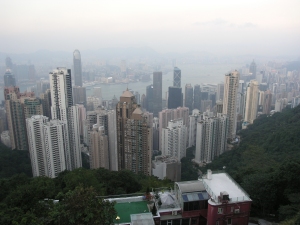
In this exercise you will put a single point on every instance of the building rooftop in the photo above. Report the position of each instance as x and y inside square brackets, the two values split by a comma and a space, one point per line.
[127, 94]
[220, 182]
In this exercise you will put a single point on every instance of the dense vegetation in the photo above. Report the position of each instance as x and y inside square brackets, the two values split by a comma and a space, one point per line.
[22, 199]
[266, 164]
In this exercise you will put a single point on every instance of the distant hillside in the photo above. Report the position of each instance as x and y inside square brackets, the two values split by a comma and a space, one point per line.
[267, 164]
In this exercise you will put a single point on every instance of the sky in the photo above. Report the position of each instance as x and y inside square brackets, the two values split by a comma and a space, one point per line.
[224, 27]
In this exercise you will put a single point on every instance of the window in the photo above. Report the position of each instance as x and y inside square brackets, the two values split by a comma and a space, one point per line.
[229, 221]
[220, 210]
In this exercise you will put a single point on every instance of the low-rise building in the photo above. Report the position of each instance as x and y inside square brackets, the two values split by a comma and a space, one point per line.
[166, 167]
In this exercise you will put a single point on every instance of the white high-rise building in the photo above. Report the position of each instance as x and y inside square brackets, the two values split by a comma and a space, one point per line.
[36, 144]
[251, 101]
[231, 85]
[211, 138]
[174, 139]
[48, 146]
[62, 109]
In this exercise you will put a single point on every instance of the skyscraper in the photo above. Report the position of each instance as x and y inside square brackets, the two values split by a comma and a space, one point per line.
[177, 77]
[197, 97]
[79, 95]
[157, 93]
[134, 136]
[220, 92]
[188, 97]
[62, 109]
[231, 85]
[251, 101]
[77, 68]
[149, 98]
[9, 79]
[175, 97]
[252, 69]
[267, 102]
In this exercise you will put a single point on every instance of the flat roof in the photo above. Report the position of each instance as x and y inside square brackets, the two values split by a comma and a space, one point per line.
[220, 182]
[125, 209]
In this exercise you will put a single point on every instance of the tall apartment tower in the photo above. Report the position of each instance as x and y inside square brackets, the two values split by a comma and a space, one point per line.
[134, 136]
[211, 138]
[99, 148]
[197, 97]
[267, 102]
[188, 97]
[174, 139]
[177, 77]
[251, 101]
[231, 85]
[47, 145]
[62, 109]
[193, 120]
[77, 68]
[20, 106]
[157, 93]
[9, 79]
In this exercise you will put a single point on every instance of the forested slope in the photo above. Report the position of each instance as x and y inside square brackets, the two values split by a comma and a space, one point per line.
[266, 163]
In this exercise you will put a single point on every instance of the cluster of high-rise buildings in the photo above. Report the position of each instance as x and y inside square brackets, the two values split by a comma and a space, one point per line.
[58, 122]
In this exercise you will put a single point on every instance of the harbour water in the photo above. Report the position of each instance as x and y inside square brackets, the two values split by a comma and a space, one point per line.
[190, 73]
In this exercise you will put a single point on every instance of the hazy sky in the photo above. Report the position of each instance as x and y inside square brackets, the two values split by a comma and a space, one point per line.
[217, 26]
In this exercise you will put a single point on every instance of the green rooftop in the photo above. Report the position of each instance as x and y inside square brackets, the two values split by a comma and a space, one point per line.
[125, 209]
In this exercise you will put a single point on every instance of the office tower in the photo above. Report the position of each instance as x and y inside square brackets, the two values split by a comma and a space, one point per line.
[251, 101]
[197, 97]
[79, 95]
[15, 105]
[138, 97]
[9, 79]
[193, 120]
[149, 98]
[46, 102]
[240, 104]
[174, 139]
[77, 68]
[188, 97]
[206, 105]
[211, 140]
[252, 69]
[62, 109]
[157, 93]
[177, 77]
[231, 85]
[134, 136]
[175, 97]
[220, 92]
[8, 63]
[99, 148]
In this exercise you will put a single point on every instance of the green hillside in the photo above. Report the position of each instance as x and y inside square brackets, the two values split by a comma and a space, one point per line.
[266, 163]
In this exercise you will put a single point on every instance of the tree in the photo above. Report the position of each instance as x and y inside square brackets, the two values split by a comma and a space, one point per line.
[82, 206]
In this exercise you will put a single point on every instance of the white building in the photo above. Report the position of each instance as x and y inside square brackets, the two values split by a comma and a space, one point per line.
[174, 139]
[193, 120]
[48, 145]
[211, 138]
[5, 138]
[166, 167]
